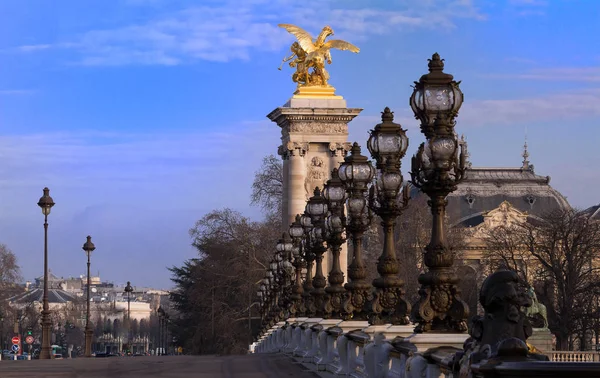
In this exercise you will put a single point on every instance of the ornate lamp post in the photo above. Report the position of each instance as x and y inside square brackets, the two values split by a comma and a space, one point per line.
[316, 208]
[335, 194]
[387, 145]
[88, 247]
[297, 232]
[356, 172]
[46, 204]
[285, 272]
[128, 290]
[309, 256]
[436, 169]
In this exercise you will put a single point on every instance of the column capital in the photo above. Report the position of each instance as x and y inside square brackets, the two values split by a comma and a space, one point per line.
[338, 149]
[293, 149]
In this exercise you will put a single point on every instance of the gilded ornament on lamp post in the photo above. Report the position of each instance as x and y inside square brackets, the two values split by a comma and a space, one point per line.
[309, 56]
[356, 172]
[437, 168]
[335, 194]
[316, 208]
[387, 145]
[297, 232]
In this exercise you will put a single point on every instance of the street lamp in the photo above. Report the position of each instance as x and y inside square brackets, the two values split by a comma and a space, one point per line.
[166, 333]
[437, 168]
[128, 290]
[88, 247]
[387, 145]
[285, 271]
[161, 314]
[309, 256]
[297, 232]
[45, 203]
[316, 208]
[356, 172]
[335, 194]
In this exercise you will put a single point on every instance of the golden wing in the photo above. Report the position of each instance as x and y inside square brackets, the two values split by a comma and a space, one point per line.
[304, 39]
[340, 45]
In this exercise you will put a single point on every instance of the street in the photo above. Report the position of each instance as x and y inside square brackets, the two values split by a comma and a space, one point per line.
[246, 366]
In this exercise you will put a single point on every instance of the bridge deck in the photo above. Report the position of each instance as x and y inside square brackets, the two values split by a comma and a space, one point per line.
[247, 366]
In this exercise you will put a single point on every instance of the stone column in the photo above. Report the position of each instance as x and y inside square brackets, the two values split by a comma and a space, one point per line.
[314, 136]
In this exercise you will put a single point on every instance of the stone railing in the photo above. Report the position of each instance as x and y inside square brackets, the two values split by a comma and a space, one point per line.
[345, 350]
[567, 356]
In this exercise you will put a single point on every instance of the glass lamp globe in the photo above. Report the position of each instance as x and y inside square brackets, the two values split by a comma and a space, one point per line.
[316, 206]
[387, 139]
[436, 92]
[306, 221]
[356, 171]
[296, 229]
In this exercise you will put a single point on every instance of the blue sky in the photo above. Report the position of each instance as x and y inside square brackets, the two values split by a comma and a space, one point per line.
[142, 115]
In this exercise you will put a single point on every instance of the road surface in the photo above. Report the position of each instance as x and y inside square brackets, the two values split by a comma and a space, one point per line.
[246, 366]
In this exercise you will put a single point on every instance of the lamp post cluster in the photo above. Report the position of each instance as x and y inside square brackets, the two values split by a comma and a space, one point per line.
[46, 203]
[344, 209]
[163, 331]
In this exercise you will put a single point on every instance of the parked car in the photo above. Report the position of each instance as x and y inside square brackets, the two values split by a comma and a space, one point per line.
[58, 356]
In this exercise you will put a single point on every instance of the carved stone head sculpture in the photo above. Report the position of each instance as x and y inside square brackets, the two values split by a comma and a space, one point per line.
[502, 297]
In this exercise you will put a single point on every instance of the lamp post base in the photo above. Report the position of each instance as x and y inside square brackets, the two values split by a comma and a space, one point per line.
[45, 353]
[88, 342]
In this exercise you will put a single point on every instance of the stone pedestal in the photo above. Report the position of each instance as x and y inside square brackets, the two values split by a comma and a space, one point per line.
[541, 339]
[351, 325]
[420, 342]
[314, 140]
[390, 331]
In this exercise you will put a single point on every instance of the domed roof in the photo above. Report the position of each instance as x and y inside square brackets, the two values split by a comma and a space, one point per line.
[485, 189]
[36, 295]
[594, 212]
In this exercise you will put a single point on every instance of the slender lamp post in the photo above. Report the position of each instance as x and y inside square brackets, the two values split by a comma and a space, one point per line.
[166, 333]
[161, 314]
[128, 290]
[46, 204]
[88, 247]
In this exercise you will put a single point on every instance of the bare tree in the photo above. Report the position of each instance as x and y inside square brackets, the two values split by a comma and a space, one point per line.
[267, 188]
[10, 275]
[215, 293]
[559, 254]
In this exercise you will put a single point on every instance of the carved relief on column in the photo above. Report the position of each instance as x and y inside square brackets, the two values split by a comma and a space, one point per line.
[339, 150]
[317, 173]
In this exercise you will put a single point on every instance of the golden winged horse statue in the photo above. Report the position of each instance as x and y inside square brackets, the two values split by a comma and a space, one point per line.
[309, 53]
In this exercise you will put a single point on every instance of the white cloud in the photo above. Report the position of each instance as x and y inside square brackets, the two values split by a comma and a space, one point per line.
[534, 3]
[31, 48]
[585, 74]
[567, 105]
[232, 30]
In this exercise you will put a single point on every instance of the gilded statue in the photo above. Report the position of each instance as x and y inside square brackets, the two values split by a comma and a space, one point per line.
[309, 55]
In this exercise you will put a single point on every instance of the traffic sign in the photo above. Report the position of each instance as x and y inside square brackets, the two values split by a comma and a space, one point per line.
[29, 339]
[15, 347]
[16, 340]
